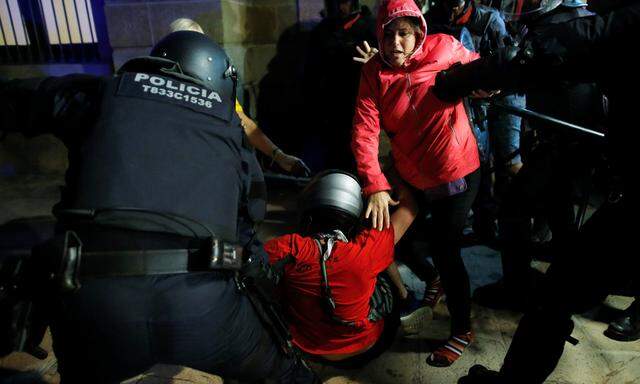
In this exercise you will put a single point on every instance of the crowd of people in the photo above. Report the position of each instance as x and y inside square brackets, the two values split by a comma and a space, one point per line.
[171, 268]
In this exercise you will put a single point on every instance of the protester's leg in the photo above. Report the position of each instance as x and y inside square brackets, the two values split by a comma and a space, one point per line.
[386, 304]
[449, 215]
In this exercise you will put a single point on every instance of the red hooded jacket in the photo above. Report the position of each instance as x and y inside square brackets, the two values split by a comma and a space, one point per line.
[432, 142]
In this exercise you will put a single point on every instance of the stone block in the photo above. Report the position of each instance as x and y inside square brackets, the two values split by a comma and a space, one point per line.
[207, 13]
[128, 25]
[256, 60]
[250, 24]
[286, 17]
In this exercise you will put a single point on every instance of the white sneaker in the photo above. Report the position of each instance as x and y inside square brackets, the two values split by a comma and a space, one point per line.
[414, 322]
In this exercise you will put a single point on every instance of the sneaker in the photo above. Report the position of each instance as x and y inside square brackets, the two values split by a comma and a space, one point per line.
[413, 322]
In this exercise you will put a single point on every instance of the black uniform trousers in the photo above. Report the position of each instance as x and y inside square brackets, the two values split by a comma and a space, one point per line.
[543, 185]
[597, 261]
[118, 327]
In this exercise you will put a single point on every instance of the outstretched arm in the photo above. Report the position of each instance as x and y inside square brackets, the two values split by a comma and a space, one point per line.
[55, 105]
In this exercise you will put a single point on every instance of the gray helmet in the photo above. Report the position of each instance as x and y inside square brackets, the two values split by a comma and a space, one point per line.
[201, 58]
[332, 190]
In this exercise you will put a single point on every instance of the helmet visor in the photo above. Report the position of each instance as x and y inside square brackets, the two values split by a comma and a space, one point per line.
[514, 10]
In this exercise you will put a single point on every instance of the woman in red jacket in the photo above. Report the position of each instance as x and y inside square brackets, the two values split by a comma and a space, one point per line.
[433, 147]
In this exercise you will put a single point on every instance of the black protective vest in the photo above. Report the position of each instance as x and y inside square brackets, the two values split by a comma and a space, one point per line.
[166, 145]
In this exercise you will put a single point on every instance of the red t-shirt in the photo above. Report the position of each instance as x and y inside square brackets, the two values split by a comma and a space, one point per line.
[352, 270]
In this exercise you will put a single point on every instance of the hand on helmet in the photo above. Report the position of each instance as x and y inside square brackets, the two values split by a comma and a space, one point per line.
[366, 53]
[378, 209]
[292, 164]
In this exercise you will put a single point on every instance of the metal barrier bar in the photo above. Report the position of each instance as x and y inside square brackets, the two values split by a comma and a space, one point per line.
[45, 31]
[66, 21]
[34, 32]
[55, 22]
[82, 48]
[13, 30]
[27, 38]
[91, 26]
[4, 37]
[30, 30]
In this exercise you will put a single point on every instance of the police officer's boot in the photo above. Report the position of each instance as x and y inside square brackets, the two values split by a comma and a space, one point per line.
[479, 374]
[537, 346]
[626, 327]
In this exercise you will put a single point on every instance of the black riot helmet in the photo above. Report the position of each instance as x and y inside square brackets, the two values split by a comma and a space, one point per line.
[199, 57]
[332, 7]
[331, 200]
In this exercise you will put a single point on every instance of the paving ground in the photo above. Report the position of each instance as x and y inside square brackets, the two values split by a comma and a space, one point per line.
[596, 360]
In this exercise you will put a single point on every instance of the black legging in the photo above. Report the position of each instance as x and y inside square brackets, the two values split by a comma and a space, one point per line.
[449, 216]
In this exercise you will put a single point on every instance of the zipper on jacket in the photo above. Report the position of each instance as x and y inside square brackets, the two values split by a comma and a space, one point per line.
[453, 130]
[410, 95]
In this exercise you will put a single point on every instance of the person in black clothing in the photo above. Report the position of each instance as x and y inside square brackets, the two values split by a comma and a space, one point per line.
[555, 166]
[155, 219]
[332, 78]
[596, 260]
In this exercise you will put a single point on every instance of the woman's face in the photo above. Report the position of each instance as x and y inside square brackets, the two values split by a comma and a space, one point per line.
[399, 42]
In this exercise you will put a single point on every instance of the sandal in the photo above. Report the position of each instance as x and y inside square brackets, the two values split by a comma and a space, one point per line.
[451, 351]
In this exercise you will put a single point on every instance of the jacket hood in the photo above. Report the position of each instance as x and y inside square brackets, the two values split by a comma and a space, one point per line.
[392, 9]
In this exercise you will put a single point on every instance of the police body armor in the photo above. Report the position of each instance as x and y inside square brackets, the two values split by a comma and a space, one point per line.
[165, 145]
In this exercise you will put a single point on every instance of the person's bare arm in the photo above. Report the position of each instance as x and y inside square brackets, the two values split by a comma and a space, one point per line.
[257, 138]
[406, 212]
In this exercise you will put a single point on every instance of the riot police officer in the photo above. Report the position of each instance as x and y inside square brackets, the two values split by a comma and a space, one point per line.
[587, 48]
[147, 266]
[558, 162]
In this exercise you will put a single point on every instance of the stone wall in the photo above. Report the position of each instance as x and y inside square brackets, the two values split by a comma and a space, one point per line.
[249, 30]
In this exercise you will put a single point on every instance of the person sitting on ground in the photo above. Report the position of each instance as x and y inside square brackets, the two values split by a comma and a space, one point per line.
[256, 136]
[337, 300]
